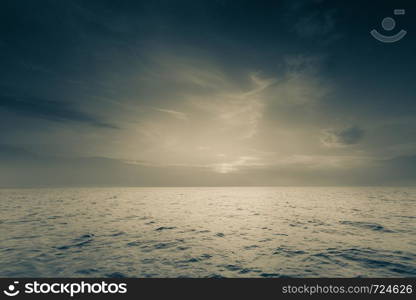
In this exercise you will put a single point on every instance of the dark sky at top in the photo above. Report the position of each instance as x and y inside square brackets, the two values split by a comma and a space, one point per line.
[206, 93]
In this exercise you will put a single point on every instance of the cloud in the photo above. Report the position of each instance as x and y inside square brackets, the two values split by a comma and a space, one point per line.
[315, 24]
[234, 114]
[299, 84]
[237, 111]
[11, 152]
[342, 137]
[236, 165]
[49, 110]
[21, 168]
[176, 114]
[312, 19]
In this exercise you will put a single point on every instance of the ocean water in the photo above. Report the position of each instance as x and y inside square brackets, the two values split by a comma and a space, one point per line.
[208, 232]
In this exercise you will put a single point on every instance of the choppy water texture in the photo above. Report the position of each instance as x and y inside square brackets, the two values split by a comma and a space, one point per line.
[208, 232]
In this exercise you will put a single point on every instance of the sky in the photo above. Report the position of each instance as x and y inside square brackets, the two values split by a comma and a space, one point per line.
[206, 93]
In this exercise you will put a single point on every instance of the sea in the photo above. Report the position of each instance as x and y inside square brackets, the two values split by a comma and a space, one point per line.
[213, 232]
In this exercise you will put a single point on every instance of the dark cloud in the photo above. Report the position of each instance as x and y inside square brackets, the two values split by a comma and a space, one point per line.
[315, 25]
[49, 110]
[13, 153]
[342, 137]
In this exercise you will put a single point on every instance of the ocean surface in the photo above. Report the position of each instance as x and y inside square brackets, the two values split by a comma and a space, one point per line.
[208, 232]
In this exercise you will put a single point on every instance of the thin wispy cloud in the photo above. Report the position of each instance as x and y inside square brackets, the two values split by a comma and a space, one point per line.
[50, 110]
[174, 113]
